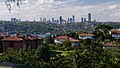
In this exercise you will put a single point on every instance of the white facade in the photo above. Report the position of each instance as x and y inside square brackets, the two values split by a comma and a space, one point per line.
[116, 36]
[59, 41]
[85, 37]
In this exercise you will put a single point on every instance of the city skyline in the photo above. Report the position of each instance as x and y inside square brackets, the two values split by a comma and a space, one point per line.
[103, 10]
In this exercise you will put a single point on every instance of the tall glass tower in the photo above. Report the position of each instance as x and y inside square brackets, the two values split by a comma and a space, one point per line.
[89, 17]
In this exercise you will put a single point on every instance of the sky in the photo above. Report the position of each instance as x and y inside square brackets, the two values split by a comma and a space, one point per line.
[101, 10]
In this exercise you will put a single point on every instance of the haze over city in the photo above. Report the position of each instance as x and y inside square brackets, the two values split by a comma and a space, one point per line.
[103, 10]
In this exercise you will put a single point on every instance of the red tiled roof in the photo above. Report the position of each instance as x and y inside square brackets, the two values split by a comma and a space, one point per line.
[35, 37]
[116, 31]
[109, 44]
[87, 34]
[62, 37]
[12, 38]
[27, 38]
[73, 40]
[3, 34]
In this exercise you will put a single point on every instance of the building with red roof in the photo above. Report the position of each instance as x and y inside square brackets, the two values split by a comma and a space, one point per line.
[115, 33]
[18, 41]
[13, 42]
[85, 36]
[111, 45]
[61, 39]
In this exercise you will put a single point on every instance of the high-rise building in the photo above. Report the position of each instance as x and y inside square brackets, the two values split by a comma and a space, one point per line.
[53, 20]
[41, 19]
[82, 19]
[89, 17]
[60, 19]
[68, 19]
[73, 18]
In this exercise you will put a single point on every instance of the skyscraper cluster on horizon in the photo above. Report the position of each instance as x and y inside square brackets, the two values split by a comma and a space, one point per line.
[71, 19]
[61, 20]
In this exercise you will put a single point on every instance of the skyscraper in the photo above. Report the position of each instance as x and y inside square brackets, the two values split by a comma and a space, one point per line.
[73, 18]
[82, 19]
[89, 17]
[60, 19]
[68, 19]
[53, 20]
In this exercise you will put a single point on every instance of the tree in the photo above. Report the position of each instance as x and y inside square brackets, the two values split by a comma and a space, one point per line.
[102, 31]
[8, 3]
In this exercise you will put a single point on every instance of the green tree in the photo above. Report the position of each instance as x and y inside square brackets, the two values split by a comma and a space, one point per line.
[102, 31]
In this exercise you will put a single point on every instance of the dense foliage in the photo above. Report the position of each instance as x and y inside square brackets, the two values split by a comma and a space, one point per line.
[49, 56]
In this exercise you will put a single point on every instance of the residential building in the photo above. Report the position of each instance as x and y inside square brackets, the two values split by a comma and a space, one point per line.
[13, 42]
[61, 39]
[115, 33]
[85, 36]
[18, 41]
[111, 46]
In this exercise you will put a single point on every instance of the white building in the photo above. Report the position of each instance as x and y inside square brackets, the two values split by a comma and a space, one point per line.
[85, 36]
[61, 39]
[115, 33]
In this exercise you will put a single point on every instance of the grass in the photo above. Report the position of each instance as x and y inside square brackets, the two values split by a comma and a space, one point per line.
[63, 53]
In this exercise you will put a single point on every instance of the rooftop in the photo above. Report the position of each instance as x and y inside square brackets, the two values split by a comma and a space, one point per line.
[87, 34]
[62, 37]
[12, 38]
[73, 40]
[117, 31]
[3, 34]
[109, 44]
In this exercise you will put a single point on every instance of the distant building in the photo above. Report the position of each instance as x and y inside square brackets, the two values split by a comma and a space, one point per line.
[68, 19]
[61, 39]
[85, 36]
[18, 41]
[111, 46]
[41, 20]
[14, 19]
[115, 33]
[82, 19]
[73, 18]
[44, 19]
[60, 19]
[53, 20]
[89, 17]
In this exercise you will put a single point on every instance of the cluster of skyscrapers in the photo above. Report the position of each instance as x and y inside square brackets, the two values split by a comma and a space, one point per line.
[71, 19]
[89, 18]
[61, 20]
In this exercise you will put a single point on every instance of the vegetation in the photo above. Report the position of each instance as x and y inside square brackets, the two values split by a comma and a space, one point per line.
[49, 56]
[89, 54]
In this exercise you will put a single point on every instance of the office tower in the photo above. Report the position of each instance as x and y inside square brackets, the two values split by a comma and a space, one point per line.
[52, 19]
[82, 19]
[41, 19]
[57, 21]
[89, 17]
[68, 19]
[73, 18]
[44, 19]
[60, 19]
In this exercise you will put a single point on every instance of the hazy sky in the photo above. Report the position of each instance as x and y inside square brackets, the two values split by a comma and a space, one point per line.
[102, 10]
